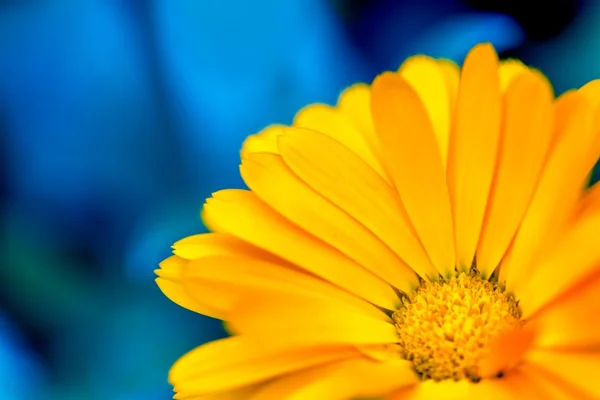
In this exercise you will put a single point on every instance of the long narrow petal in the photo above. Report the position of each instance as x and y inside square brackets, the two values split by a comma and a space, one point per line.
[429, 81]
[443, 390]
[523, 383]
[557, 191]
[354, 103]
[242, 393]
[309, 321]
[170, 282]
[566, 323]
[509, 70]
[518, 384]
[591, 91]
[239, 278]
[213, 270]
[218, 244]
[590, 201]
[579, 369]
[474, 148]
[342, 380]
[242, 214]
[273, 182]
[264, 141]
[335, 124]
[412, 157]
[237, 361]
[572, 260]
[214, 297]
[451, 73]
[525, 141]
[591, 196]
[344, 179]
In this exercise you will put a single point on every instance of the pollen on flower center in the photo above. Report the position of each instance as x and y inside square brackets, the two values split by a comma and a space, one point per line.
[446, 327]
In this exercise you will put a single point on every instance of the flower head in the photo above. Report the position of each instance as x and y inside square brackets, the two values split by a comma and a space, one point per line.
[430, 236]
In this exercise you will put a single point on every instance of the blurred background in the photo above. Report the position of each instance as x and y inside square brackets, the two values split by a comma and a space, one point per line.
[119, 117]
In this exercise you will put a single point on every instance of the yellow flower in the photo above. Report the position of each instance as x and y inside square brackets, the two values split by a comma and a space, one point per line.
[429, 237]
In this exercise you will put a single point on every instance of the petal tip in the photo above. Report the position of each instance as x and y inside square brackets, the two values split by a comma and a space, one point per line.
[482, 52]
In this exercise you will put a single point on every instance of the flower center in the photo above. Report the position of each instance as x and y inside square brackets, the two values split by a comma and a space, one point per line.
[446, 327]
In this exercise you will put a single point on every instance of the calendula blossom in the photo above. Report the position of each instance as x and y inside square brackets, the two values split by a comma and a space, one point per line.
[429, 237]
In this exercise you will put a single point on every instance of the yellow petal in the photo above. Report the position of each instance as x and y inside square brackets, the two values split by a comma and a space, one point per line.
[549, 386]
[242, 214]
[237, 361]
[334, 123]
[348, 379]
[273, 182]
[506, 351]
[214, 243]
[170, 283]
[239, 277]
[451, 73]
[212, 296]
[428, 80]
[524, 383]
[509, 70]
[590, 202]
[429, 390]
[579, 369]
[355, 103]
[524, 143]
[560, 186]
[572, 260]
[570, 321]
[591, 91]
[412, 157]
[243, 393]
[302, 320]
[473, 148]
[263, 142]
[344, 179]
[517, 384]
[513, 386]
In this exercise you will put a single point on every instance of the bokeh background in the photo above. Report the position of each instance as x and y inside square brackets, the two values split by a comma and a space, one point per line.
[119, 117]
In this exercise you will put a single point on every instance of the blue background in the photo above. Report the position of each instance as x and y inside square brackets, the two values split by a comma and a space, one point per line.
[118, 118]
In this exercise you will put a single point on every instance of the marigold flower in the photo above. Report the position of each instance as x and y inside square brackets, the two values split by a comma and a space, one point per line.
[429, 237]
